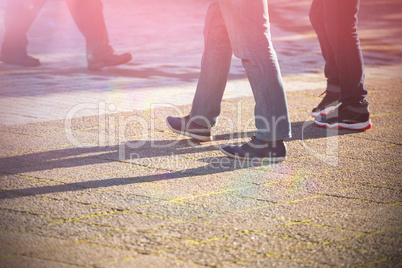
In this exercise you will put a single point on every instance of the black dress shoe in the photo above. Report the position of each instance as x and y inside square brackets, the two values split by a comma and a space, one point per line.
[106, 60]
[255, 149]
[185, 126]
[20, 59]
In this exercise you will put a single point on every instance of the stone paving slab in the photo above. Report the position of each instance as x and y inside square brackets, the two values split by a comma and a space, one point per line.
[109, 185]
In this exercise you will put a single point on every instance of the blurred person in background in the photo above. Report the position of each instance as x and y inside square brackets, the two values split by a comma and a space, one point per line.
[344, 105]
[87, 15]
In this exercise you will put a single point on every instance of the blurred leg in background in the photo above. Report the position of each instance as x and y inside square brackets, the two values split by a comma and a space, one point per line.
[335, 23]
[88, 16]
[19, 16]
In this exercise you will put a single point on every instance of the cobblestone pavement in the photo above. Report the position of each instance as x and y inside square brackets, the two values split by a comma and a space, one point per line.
[90, 175]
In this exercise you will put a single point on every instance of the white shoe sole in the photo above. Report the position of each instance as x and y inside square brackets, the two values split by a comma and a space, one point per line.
[325, 111]
[358, 126]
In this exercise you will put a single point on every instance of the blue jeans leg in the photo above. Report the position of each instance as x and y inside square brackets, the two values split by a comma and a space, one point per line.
[247, 28]
[215, 66]
[335, 23]
[19, 16]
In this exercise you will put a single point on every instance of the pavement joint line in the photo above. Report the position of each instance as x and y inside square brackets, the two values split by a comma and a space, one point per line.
[333, 227]
[251, 198]
[379, 232]
[120, 248]
[277, 204]
[294, 222]
[344, 151]
[176, 238]
[373, 185]
[290, 93]
[5, 257]
[384, 188]
[377, 261]
[303, 260]
[328, 243]
[358, 167]
[28, 213]
[13, 136]
[384, 114]
[370, 139]
[342, 182]
[356, 199]
[77, 219]
[280, 255]
[120, 261]
[151, 215]
[325, 244]
[289, 179]
[211, 193]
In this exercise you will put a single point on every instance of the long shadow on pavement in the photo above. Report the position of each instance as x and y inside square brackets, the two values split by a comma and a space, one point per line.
[73, 157]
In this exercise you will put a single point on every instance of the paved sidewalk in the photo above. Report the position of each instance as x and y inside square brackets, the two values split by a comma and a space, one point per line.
[90, 175]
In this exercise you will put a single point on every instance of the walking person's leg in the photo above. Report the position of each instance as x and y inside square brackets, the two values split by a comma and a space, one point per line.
[341, 26]
[88, 16]
[19, 16]
[333, 90]
[215, 68]
[248, 26]
[249, 30]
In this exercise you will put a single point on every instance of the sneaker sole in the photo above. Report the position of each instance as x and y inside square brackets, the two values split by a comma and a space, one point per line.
[325, 111]
[358, 126]
[188, 134]
[264, 160]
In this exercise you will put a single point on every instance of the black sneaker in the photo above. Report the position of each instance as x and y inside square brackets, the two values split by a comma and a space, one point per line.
[349, 117]
[258, 150]
[20, 59]
[329, 103]
[106, 60]
[185, 126]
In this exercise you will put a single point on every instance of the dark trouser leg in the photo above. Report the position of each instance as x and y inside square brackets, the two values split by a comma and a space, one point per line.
[340, 19]
[19, 17]
[215, 68]
[88, 16]
[331, 69]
